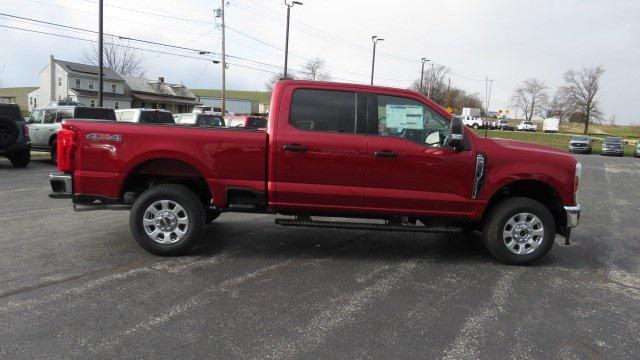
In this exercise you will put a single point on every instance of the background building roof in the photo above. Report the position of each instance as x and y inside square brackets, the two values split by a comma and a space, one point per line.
[78, 68]
[262, 97]
[158, 87]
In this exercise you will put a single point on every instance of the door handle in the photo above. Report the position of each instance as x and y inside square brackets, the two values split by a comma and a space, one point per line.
[295, 148]
[385, 153]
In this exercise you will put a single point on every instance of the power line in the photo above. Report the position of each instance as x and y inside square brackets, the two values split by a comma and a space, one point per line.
[150, 13]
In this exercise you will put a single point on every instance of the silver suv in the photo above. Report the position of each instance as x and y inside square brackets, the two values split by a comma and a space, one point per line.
[45, 123]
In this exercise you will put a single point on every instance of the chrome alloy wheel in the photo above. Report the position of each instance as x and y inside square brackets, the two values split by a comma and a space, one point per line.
[523, 233]
[165, 222]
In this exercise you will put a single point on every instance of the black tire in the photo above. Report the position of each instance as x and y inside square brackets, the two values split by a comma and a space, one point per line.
[180, 195]
[9, 132]
[54, 152]
[496, 221]
[20, 159]
[475, 126]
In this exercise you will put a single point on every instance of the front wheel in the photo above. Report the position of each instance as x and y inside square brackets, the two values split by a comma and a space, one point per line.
[519, 231]
[475, 126]
[167, 220]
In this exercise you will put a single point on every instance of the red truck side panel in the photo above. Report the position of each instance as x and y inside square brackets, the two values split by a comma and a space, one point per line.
[223, 157]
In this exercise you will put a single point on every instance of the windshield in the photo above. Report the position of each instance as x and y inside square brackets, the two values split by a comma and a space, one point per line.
[580, 138]
[613, 140]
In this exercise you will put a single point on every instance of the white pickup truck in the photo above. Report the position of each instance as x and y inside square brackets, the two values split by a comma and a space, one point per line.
[472, 121]
[527, 126]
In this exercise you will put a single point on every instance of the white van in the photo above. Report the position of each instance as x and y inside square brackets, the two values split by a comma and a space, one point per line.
[145, 116]
[551, 125]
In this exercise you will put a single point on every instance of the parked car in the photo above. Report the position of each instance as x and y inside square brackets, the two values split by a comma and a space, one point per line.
[211, 110]
[551, 125]
[472, 121]
[146, 116]
[14, 136]
[581, 144]
[323, 155]
[612, 145]
[527, 126]
[637, 152]
[504, 125]
[199, 119]
[45, 123]
[247, 122]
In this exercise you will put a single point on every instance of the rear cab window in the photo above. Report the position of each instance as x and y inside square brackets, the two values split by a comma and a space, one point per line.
[309, 110]
[94, 113]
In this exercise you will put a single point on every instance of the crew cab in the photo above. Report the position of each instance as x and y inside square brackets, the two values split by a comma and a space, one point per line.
[390, 157]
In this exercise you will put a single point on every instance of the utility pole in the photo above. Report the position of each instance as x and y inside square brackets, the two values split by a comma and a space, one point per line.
[224, 64]
[432, 76]
[375, 40]
[100, 50]
[286, 43]
[448, 92]
[424, 60]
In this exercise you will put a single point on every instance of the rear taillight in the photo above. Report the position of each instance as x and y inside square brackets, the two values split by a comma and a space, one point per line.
[25, 131]
[66, 146]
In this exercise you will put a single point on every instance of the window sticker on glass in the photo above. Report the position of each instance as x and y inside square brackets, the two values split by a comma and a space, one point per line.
[405, 116]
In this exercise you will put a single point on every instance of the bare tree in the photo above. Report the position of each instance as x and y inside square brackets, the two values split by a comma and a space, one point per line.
[315, 69]
[531, 97]
[435, 83]
[581, 93]
[118, 55]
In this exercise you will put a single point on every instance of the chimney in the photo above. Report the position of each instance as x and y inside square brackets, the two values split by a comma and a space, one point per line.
[161, 79]
[52, 80]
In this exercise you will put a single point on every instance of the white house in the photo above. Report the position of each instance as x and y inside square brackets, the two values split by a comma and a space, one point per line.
[64, 80]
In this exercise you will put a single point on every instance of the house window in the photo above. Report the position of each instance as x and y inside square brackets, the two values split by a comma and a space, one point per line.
[59, 81]
[30, 101]
[59, 97]
[77, 83]
[93, 103]
[90, 85]
[113, 87]
[116, 105]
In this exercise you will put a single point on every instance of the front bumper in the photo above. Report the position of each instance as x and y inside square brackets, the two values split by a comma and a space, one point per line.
[61, 186]
[612, 151]
[579, 149]
[573, 216]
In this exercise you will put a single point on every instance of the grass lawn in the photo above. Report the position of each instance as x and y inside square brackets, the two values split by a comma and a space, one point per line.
[559, 141]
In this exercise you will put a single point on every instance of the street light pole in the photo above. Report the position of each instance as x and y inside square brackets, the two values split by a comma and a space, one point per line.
[286, 44]
[430, 82]
[100, 50]
[224, 65]
[424, 60]
[375, 40]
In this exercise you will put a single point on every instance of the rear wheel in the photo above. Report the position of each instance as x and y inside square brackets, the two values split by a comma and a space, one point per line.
[167, 220]
[519, 231]
[20, 159]
[475, 126]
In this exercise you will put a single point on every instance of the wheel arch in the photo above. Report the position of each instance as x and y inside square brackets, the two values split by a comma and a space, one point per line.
[534, 189]
[151, 170]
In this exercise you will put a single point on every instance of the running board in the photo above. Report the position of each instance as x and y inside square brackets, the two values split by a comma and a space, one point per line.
[367, 226]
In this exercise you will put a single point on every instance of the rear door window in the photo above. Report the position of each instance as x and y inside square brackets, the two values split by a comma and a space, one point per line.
[49, 116]
[257, 123]
[163, 117]
[210, 120]
[324, 110]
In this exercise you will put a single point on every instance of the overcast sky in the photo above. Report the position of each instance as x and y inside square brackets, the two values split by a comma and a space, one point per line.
[508, 41]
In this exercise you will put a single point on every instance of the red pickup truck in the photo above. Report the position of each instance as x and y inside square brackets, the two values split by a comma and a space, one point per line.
[389, 157]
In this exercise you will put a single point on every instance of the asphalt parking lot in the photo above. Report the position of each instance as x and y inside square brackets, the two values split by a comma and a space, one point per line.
[75, 285]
